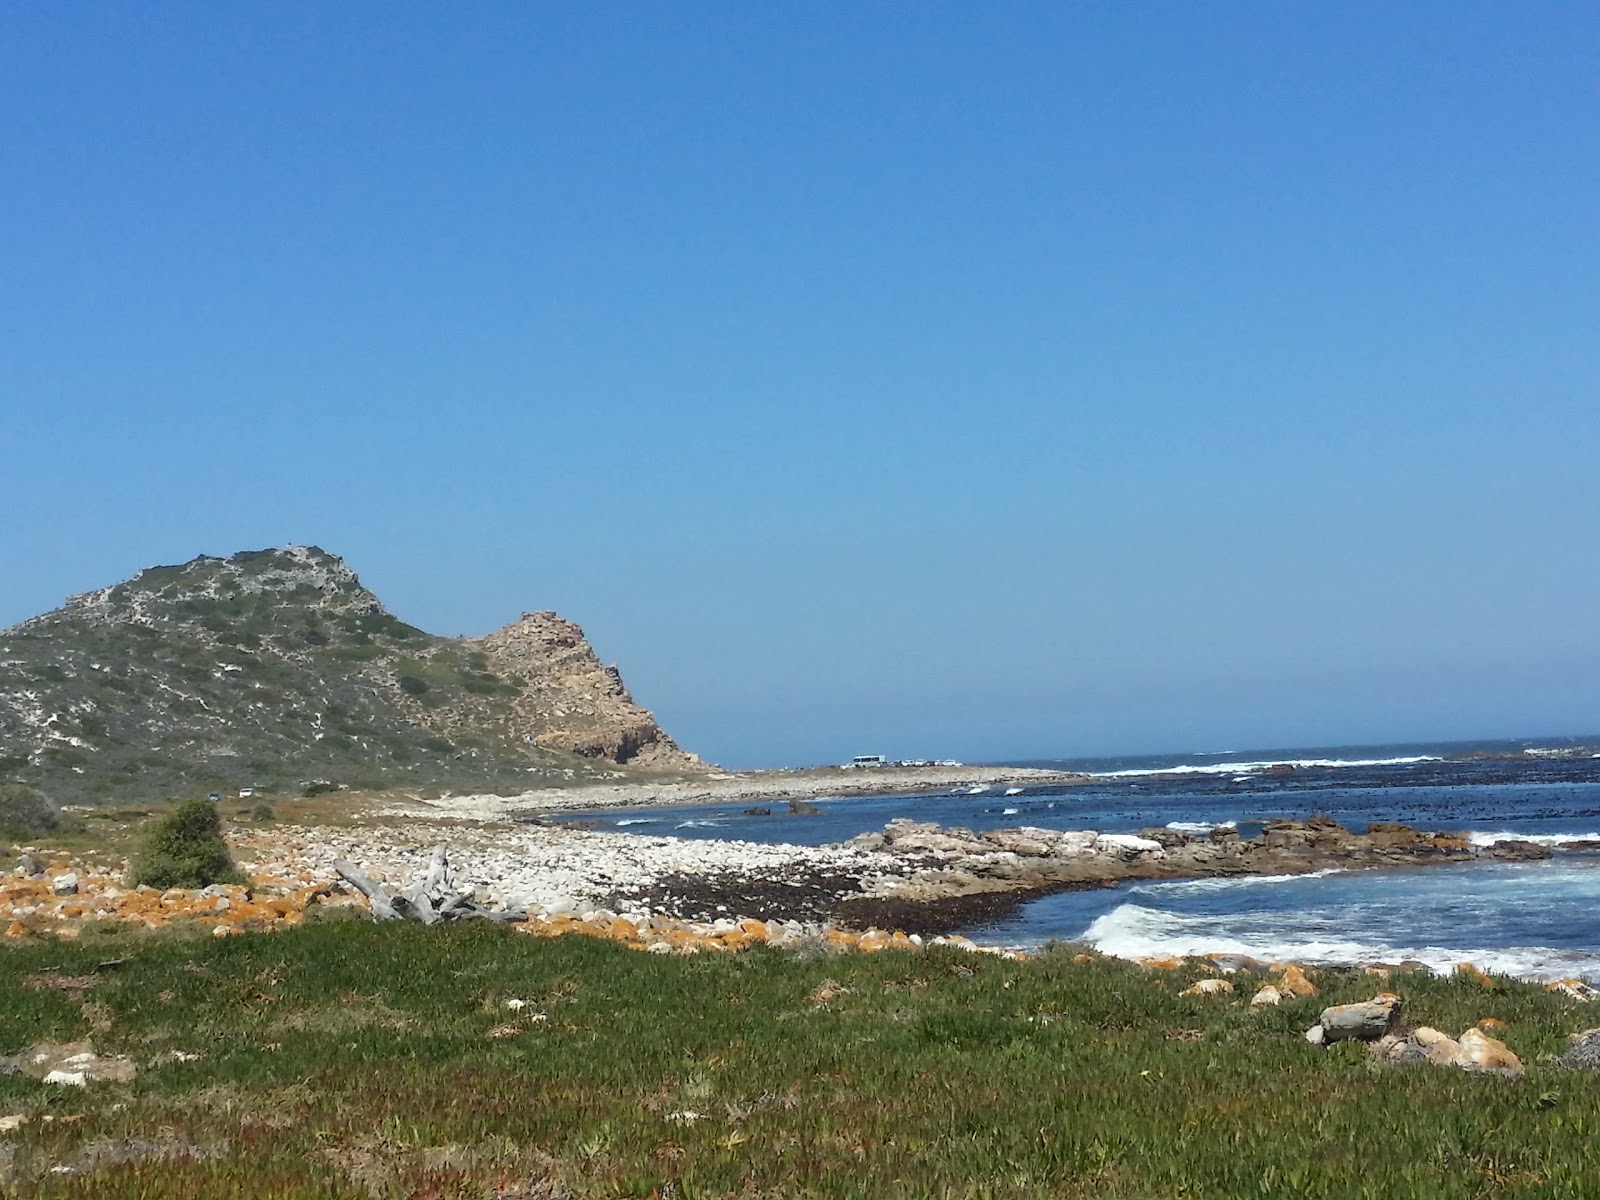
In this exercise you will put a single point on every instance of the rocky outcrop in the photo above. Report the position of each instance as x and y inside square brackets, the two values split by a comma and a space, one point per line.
[1029, 856]
[568, 700]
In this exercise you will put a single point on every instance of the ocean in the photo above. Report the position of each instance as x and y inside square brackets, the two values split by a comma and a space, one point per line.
[1540, 920]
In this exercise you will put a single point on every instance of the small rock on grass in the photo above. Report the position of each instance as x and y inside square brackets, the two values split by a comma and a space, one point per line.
[70, 1064]
[1208, 987]
[1268, 996]
[1367, 1020]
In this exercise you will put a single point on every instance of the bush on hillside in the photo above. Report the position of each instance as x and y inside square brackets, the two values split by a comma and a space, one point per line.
[185, 849]
[26, 812]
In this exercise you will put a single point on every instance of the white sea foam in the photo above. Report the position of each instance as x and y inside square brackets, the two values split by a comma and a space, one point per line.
[637, 821]
[1009, 812]
[1485, 838]
[1221, 884]
[979, 790]
[1200, 826]
[1233, 768]
[1135, 931]
[709, 823]
[1013, 792]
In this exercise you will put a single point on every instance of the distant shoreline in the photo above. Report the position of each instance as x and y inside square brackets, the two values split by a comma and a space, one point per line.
[732, 787]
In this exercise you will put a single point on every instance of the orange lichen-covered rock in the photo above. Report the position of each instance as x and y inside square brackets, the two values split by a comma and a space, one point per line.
[755, 930]
[1573, 989]
[840, 938]
[1295, 981]
[1160, 962]
[16, 930]
[1481, 1050]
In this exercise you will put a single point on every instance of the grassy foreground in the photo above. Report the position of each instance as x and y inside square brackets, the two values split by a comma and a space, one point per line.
[349, 1060]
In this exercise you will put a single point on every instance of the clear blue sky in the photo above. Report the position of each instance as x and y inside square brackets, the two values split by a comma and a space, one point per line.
[933, 378]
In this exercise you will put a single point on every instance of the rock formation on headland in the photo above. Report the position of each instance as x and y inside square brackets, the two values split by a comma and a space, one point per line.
[569, 700]
[277, 668]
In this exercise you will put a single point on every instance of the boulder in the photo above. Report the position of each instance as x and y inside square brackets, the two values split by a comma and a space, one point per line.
[1438, 1048]
[65, 885]
[1208, 987]
[1573, 989]
[1393, 1050]
[1365, 1021]
[29, 867]
[1268, 996]
[1295, 982]
[1582, 1052]
[1480, 1050]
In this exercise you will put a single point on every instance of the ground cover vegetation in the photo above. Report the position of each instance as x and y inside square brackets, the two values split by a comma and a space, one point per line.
[346, 1060]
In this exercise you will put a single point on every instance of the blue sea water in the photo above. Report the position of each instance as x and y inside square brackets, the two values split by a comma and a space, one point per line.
[1537, 919]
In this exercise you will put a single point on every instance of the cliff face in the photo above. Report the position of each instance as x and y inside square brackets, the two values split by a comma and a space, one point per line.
[275, 668]
[569, 701]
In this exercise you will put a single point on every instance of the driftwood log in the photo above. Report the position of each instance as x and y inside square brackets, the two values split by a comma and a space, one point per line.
[434, 897]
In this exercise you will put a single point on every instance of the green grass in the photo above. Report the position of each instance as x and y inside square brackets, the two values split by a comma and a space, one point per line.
[347, 1060]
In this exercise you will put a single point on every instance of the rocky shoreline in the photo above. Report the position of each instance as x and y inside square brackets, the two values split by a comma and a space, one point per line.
[912, 879]
[913, 876]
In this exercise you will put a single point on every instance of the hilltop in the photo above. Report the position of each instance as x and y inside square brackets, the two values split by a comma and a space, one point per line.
[278, 669]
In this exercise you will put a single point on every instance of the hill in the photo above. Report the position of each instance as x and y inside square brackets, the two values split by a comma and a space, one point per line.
[277, 669]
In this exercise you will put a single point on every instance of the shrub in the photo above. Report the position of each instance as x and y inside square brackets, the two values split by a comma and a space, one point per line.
[185, 849]
[263, 812]
[26, 812]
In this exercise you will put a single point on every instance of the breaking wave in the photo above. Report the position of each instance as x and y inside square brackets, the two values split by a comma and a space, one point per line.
[1136, 931]
[1234, 768]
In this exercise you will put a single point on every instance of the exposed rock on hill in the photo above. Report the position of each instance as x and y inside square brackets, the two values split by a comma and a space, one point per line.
[569, 700]
[276, 668]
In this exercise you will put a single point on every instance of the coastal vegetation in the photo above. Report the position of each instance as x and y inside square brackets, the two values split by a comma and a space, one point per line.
[185, 849]
[343, 1059]
[26, 812]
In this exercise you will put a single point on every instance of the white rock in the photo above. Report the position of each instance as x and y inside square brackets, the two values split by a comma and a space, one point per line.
[65, 885]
